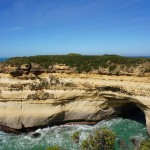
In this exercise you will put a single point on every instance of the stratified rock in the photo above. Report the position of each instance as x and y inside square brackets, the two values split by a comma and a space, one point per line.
[37, 69]
[1, 67]
[13, 70]
[56, 99]
[25, 68]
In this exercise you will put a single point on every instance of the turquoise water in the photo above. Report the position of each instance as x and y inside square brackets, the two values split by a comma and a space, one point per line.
[61, 135]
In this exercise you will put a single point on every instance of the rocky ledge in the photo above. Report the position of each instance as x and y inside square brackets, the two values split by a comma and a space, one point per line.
[55, 98]
[69, 64]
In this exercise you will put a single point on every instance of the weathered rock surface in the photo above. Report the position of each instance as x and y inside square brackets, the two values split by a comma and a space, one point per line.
[52, 99]
[141, 69]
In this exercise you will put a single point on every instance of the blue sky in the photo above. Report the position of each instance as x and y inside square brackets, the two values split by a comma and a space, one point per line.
[39, 27]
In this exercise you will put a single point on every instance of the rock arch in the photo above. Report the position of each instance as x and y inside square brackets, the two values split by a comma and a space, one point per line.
[127, 106]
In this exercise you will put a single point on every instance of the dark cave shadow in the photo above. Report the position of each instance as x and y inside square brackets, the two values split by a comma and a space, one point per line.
[133, 112]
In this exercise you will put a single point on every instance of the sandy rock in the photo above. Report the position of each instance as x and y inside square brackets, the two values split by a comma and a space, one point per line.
[90, 99]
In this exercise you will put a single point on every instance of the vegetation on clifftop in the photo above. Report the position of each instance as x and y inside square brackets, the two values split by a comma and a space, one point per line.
[81, 62]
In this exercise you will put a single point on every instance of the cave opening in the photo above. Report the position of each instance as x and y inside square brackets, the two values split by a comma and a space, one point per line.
[133, 112]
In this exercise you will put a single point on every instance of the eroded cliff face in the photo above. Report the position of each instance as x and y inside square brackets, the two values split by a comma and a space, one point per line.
[53, 98]
[141, 69]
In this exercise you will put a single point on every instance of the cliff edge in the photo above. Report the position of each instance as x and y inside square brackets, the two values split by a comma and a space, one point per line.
[32, 96]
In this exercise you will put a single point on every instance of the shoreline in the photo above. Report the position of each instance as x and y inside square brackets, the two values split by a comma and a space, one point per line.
[8, 130]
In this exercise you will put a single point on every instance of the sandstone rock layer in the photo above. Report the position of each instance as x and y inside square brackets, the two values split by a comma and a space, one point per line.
[52, 99]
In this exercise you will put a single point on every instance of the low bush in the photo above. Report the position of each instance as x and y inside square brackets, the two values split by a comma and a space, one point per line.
[54, 148]
[103, 139]
[83, 63]
[76, 136]
[145, 145]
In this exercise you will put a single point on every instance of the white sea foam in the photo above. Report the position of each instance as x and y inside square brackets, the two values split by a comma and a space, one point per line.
[61, 135]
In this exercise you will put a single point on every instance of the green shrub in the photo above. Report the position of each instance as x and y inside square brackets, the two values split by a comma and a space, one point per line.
[54, 148]
[76, 136]
[81, 62]
[145, 145]
[101, 139]
[112, 68]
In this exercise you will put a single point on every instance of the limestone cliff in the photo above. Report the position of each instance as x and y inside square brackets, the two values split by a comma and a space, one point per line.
[31, 101]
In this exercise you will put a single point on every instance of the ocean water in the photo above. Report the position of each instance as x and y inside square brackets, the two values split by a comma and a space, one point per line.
[3, 59]
[61, 135]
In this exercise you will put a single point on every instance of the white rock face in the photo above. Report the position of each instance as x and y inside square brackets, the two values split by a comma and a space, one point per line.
[84, 98]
